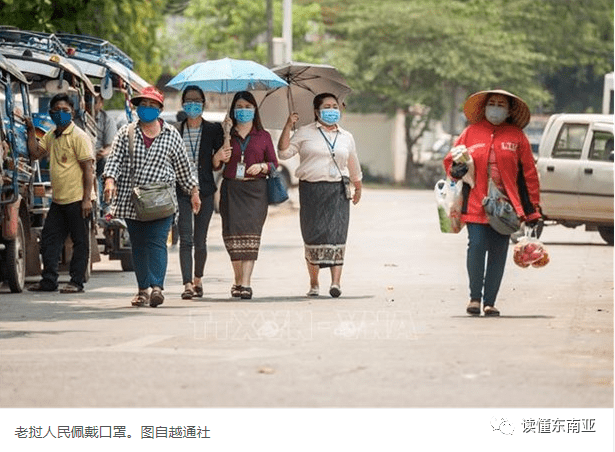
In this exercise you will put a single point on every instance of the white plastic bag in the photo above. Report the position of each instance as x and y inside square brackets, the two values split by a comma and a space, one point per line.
[449, 198]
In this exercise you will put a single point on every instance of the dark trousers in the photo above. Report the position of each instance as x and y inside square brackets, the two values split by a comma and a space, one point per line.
[193, 234]
[62, 220]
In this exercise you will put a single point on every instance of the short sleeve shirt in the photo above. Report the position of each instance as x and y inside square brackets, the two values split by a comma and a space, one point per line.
[65, 154]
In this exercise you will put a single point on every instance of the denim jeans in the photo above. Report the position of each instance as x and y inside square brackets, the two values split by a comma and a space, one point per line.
[485, 245]
[62, 220]
[148, 240]
[193, 233]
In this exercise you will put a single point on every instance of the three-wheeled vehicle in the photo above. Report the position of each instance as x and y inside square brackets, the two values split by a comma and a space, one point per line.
[43, 60]
[16, 178]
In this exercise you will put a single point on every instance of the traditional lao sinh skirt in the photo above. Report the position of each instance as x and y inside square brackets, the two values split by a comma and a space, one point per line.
[243, 208]
[324, 217]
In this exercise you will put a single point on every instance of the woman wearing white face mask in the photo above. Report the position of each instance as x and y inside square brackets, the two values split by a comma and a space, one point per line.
[243, 195]
[329, 166]
[501, 151]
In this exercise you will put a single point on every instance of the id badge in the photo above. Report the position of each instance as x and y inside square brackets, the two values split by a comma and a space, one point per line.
[332, 170]
[241, 171]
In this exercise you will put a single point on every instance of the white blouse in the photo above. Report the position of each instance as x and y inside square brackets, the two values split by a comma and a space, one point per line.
[316, 154]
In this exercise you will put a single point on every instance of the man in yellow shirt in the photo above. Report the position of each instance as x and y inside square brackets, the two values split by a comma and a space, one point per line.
[71, 161]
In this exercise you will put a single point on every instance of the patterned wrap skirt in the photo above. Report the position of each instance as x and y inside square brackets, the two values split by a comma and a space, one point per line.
[324, 216]
[243, 208]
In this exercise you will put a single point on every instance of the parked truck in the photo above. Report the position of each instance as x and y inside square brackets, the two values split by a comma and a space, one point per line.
[575, 164]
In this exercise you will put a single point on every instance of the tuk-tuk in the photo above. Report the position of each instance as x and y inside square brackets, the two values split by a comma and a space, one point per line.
[43, 61]
[16, 177]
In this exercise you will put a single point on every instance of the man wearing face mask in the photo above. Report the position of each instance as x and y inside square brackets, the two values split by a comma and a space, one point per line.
[159, 156]
[71, 161]
[501, 152]
[201, 139]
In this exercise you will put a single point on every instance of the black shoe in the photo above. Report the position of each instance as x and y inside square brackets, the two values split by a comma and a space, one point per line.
[335, 291]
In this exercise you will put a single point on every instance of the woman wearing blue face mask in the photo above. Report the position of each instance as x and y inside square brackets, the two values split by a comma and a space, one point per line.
[329, 166]
[501, 152]
[201, 139]
[159, 156]
[243, 195]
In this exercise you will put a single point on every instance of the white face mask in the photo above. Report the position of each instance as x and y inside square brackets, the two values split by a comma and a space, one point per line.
[495, 114]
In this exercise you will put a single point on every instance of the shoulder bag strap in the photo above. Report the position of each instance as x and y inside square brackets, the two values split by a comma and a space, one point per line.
[131, 151]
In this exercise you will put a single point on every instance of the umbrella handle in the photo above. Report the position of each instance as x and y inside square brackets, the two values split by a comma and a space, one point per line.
[227, 125]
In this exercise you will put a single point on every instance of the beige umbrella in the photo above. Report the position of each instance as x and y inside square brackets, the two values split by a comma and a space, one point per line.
[305, 80]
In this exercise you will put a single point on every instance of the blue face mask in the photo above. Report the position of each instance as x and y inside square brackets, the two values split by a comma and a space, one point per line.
[148, 114]
[61, 118]
[330, 116]
[244, 115]
[193, 109]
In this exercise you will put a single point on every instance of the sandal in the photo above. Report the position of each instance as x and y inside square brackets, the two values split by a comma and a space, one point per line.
[313, 292]
[187, 294]
[140, 298]
[491, 311]
[71, 287]
[156, 298]
[246, 293]
[198, 291]
[473, 307]
[40, 287]
[236, 291]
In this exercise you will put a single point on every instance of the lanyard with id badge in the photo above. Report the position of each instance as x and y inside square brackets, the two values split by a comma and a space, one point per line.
[334, 169]
[241, 166]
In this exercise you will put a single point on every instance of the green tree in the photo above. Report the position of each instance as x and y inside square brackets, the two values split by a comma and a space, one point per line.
[414, 56]
[130, 24]
[214, 29]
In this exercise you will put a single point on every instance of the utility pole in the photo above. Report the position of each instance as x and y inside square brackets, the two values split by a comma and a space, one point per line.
[270, 33]
[287, 30]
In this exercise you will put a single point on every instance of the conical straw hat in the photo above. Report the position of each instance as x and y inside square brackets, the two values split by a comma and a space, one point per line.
[474, 107]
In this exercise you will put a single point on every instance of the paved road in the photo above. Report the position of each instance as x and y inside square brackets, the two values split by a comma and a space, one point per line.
[398, 337]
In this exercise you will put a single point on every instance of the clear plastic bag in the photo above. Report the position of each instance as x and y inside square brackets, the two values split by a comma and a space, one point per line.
[449, 198]
[530, 251]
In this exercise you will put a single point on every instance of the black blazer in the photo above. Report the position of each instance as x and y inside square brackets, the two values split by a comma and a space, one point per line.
[212, 138]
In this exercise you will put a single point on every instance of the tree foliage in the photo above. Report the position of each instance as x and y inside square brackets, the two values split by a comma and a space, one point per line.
[129, 24]
[237, 29]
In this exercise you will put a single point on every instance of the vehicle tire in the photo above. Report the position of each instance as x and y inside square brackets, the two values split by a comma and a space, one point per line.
[606, 232]
[126, 261]
[16, 260]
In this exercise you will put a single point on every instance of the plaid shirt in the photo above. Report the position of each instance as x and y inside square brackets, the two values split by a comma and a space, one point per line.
[164, 161]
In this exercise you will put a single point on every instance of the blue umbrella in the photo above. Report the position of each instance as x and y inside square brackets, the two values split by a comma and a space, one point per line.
[227, 76]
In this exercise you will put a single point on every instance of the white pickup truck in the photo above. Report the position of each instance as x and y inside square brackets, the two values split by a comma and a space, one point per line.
[575, 163]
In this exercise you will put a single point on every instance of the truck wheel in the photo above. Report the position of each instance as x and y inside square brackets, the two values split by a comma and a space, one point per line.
[16, 260]
[606, 232]
[126, 261]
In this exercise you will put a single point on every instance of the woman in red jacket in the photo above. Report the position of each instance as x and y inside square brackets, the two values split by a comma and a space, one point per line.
[497, 145]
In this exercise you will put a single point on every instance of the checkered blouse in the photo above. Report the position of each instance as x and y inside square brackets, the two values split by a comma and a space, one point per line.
[164, 161]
